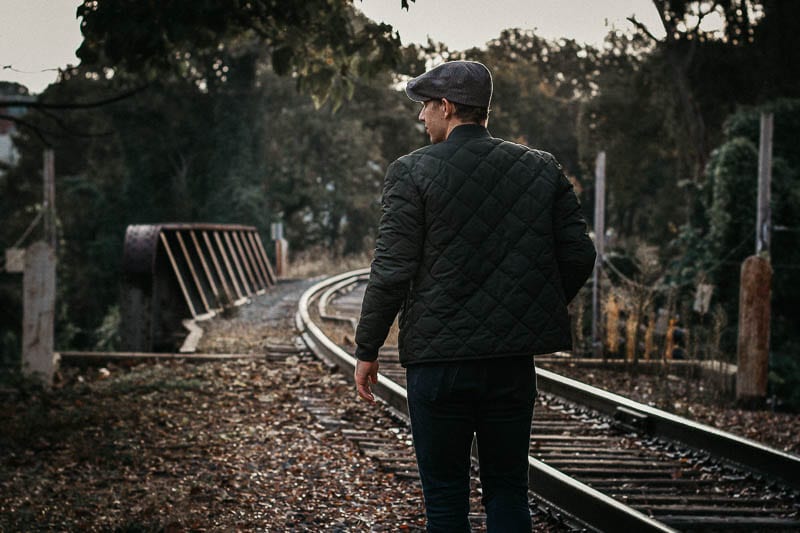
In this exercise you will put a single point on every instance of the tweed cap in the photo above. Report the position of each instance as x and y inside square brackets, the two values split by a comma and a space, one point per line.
[463, 82]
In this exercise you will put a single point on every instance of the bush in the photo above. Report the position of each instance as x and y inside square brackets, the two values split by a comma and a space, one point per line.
[784, 377]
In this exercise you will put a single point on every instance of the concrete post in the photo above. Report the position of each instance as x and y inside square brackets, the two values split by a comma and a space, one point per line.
[39, 302]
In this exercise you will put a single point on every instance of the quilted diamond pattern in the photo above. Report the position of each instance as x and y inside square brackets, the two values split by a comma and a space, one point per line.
[481, 246]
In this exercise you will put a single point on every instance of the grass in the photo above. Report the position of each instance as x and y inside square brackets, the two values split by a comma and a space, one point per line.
[324, 262]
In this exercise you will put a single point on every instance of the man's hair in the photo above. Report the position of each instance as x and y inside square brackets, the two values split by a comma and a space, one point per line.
[470, 113]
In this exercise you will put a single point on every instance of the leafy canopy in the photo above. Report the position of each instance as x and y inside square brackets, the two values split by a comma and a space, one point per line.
[324, 43]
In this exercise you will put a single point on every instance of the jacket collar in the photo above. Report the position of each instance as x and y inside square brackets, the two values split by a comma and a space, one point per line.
[468, 131]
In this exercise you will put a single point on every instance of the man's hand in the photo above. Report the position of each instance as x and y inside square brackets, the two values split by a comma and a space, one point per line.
[366, 373]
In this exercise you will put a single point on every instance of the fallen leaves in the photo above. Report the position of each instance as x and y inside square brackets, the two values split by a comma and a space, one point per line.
[177, 446]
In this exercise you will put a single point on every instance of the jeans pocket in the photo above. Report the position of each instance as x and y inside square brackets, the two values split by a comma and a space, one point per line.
[422, 386]
[431, 383]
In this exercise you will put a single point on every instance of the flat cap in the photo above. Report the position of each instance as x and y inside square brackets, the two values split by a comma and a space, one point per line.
[463, 82]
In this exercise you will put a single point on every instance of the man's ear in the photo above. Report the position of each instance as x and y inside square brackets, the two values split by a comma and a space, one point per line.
[448, 108]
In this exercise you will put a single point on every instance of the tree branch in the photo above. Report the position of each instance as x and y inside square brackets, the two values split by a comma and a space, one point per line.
[64, 126]
[82, 105]
[661, 9]
[641, 27]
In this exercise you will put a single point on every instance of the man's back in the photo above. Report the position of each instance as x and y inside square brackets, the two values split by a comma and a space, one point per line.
[484, 222]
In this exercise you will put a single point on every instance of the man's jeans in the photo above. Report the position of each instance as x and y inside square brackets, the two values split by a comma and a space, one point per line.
[449, 402]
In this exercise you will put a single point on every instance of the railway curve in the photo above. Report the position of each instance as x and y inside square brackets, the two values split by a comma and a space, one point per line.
[608, 461]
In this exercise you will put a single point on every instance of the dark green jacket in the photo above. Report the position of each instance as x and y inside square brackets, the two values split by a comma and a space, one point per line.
[481, 247]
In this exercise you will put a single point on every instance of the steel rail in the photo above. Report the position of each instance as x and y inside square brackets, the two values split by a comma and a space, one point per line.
[330, 292]
[575, 498]
[743, 452]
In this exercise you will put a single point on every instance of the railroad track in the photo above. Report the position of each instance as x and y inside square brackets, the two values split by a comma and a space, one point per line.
[611, 463]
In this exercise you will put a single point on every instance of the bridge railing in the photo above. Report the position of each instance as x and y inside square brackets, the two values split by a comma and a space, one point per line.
[177, 271]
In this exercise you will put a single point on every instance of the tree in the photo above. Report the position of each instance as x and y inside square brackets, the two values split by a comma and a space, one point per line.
[324, 43]
[626, 117]
[682, 22]
[742, 57]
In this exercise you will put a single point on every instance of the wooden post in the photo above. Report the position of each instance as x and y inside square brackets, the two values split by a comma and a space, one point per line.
[281, 257]
[669, 342]
[39, 289]
[753, 342]
[599, 242]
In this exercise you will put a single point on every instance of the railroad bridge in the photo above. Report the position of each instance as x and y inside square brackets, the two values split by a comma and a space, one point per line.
[598, 461]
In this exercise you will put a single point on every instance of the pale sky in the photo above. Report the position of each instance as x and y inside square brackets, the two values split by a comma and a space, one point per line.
[38, 36]
[462, 24]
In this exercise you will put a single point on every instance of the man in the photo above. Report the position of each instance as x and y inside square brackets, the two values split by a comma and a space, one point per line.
[481, 246]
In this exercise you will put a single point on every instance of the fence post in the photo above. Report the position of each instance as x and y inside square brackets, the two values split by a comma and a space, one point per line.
[281, 257]
[39, 299]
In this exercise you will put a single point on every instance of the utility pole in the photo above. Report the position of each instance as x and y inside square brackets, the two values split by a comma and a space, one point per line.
[764, 214]
[49, 200]
[755, 289]
[599, 242]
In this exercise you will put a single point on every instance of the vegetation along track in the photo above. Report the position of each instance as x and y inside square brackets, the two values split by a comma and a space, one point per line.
[610, 462]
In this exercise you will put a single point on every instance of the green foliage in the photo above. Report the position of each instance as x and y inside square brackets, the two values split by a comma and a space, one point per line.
[325, 43]
[732, 173]
[107, 335]
[784, 376]
[690, 255]
[9, 349]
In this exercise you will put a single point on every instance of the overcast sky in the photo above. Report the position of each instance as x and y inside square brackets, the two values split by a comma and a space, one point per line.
[39, 36]
[462, 24]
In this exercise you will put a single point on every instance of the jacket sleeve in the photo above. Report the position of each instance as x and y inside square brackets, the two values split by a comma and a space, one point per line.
[575, 251]
[398, 252]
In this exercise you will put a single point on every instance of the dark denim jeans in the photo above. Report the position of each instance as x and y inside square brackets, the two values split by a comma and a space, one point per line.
[451, 402]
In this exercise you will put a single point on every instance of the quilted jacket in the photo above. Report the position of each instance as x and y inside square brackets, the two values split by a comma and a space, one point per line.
[481, 246]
